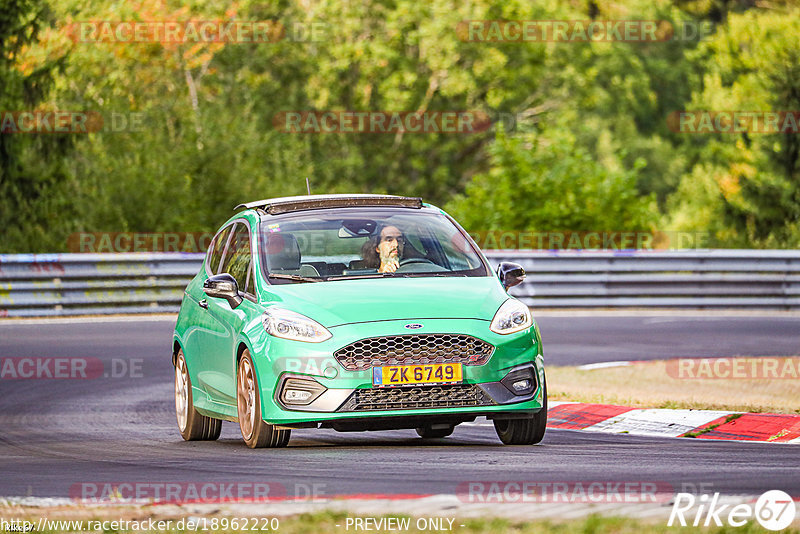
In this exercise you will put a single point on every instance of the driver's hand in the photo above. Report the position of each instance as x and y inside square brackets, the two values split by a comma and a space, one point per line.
[390, 266]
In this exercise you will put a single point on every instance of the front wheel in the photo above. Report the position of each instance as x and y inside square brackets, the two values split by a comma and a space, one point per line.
[527, 430]
[255, 432]
[192, 425]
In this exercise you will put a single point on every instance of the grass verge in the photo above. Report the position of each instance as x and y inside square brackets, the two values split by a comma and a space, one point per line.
[336, 521]
[655, 384]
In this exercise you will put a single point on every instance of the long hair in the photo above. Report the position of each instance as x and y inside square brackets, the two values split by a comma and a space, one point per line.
[369, 251]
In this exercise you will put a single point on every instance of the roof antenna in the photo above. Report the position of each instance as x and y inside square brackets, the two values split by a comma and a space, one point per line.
[308, 186]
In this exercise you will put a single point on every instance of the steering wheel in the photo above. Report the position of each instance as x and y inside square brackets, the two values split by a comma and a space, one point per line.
[412, 261]
[419, 265]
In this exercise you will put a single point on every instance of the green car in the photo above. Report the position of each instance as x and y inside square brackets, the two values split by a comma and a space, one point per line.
[354, 312]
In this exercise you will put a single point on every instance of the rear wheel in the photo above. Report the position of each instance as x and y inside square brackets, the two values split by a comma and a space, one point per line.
[192, 425]
[255, 432]
[439, 431]
[527, 430]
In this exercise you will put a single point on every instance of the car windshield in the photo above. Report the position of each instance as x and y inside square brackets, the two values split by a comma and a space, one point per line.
[348, 243]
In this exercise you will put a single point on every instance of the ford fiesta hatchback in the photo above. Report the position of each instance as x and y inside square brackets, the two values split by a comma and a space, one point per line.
[354, 312]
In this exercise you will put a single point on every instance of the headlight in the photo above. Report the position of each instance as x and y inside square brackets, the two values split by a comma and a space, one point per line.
[512, 316]
[290, 325]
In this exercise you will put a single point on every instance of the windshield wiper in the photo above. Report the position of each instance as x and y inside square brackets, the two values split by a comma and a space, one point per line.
[432, 275]
[362, 276]
[295, 277]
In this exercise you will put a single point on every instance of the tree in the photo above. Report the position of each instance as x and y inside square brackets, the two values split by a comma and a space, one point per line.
[745, 187]
[33, 177]
[544, 182]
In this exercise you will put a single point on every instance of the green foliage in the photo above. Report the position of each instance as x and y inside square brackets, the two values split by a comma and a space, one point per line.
[745, 187]
[585, 144]
[34, 184]
[547, 182]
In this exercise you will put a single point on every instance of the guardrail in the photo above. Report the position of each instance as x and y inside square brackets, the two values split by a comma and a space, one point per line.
[767, 279]
[81, 284]
[87, 284]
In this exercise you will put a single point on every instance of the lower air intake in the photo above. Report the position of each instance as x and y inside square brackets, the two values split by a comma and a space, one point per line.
[448, 396]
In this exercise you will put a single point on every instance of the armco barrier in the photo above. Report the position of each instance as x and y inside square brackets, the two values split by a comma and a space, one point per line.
[768, 279]
[86, 284]
[79, 284]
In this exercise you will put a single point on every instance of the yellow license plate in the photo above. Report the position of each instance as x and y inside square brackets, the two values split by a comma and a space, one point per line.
[416, 375]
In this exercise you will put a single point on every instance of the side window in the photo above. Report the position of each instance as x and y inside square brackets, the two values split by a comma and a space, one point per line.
[237, 259]
[217, 248]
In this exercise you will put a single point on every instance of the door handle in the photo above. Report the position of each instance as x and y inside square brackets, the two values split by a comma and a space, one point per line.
[203, 304]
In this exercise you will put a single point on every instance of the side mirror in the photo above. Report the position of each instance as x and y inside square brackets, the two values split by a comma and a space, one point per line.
[223, 286]
[510, 274]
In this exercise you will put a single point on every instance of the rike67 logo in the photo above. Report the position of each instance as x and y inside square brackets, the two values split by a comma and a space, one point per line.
[774, 510]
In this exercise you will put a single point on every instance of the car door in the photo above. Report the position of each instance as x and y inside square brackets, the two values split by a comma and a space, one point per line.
[220, 362]
[207, 335]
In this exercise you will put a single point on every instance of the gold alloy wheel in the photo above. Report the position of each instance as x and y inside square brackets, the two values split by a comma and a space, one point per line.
[246, 398]
[181, 393]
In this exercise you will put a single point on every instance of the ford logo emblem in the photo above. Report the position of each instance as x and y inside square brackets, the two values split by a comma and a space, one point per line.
[413, 326]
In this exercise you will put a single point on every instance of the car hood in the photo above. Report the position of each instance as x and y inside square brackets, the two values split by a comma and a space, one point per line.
[341, 302]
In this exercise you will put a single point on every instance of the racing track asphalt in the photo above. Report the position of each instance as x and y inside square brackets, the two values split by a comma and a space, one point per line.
[55, 434]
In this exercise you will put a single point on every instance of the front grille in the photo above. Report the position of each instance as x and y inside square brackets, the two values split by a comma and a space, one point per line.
[449, 396]
[414, 349]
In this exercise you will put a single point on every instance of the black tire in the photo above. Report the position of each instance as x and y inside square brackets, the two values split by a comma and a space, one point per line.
[192, 425]
[524, 431]
[427, 432]
[256, 433]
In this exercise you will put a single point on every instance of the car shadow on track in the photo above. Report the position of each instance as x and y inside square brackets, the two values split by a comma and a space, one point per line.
[392, 438]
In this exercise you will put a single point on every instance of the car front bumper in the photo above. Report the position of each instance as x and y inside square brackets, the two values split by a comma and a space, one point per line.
[342, 394]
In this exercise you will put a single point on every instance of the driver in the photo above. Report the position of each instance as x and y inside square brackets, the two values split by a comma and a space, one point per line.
[384, 250]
